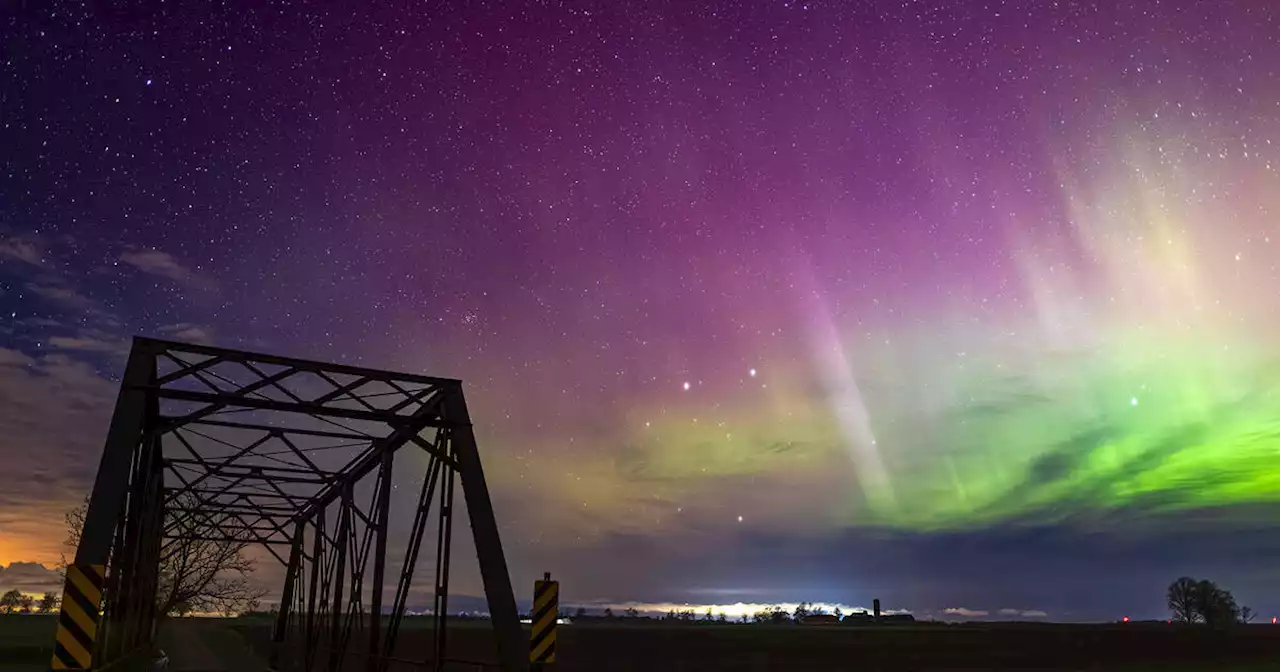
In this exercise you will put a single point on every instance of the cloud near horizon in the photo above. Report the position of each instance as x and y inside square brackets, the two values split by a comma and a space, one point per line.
[1024, 613]
[54, 409]
[966, 612]
[29, 577]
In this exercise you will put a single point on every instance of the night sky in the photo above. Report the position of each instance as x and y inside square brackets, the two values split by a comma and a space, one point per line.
[967, 306]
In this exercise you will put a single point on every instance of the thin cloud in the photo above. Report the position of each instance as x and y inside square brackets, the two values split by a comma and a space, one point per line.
[1023, 613]
[163, 264]
[60, 294]
[186, 331]
[89, 344]
[13, 358]
[25, 250]
[966, 612]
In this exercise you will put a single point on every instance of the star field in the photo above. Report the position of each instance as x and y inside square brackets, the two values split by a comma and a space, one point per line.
[961, 305]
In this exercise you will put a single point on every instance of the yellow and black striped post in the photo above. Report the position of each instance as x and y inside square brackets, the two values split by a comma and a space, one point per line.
[546, 608]
[78, 626]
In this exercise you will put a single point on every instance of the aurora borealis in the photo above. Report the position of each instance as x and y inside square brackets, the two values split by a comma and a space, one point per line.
[961, 305]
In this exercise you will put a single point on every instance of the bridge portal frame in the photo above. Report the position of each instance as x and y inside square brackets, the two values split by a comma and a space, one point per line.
[230, 447]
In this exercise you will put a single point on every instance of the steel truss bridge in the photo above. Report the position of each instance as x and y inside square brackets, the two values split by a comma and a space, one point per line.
[224, 447]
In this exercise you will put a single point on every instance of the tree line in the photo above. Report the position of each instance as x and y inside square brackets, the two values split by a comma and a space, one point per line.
[18, 602]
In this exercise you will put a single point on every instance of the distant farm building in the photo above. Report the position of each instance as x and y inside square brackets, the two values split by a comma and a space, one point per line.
[857, 618]
[863, 618]
[820, 619]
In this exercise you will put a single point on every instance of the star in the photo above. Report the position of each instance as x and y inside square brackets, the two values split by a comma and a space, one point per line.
[560, 249]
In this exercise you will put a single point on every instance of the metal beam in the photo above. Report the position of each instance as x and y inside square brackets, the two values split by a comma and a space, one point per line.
[303, 364]
[484, 528]
[420, 420]
[382, 512]
[107, 499]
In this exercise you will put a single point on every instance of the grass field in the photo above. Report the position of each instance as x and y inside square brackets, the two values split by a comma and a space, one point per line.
[623, 648]
[25, 643]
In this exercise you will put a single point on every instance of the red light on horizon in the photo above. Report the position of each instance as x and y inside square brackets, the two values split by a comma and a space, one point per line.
[1273, 620]
[1125, 619]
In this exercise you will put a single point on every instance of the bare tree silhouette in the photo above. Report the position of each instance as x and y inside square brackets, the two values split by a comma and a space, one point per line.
[1182, 600]
[196, 575]
[1247, 614]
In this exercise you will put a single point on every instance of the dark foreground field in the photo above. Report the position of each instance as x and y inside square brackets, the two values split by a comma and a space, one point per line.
[209, 644]
[606, 648]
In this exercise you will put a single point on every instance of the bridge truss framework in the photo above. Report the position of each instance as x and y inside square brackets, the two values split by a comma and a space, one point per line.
[211, 448]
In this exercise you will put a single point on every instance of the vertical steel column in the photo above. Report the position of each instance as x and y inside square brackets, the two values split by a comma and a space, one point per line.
[153, 537]
[286, 598]
[317, 556]
[411, 553]
[339, 578]
[117, 605]
[86, 639]
[132, 558]
[443, 548]
[493, 565]
[380, 555]
[110, 485]
[152, 517]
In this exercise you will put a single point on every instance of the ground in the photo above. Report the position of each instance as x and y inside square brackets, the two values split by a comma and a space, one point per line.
[215, 644]
[26, 642]
[623, 648]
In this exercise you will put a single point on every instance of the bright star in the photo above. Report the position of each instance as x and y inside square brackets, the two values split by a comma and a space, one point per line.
[686, 385]
[1133, 401]
[739, 519]
[753, 373]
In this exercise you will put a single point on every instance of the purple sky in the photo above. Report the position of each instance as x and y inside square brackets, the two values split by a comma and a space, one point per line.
[808, 212]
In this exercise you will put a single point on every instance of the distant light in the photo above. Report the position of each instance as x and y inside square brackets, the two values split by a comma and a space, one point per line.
[739, 519]
[686, 386]
[1273, 620]
[148, 82]
[1125, 619]
[753, 373]
[1133, 401]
